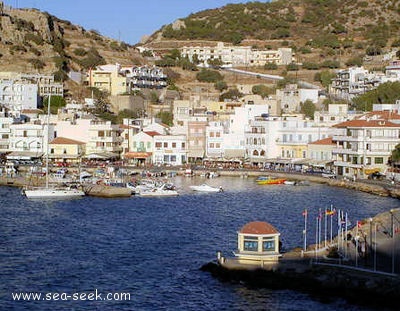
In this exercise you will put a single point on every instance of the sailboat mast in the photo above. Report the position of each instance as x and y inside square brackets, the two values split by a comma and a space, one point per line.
[48, 138]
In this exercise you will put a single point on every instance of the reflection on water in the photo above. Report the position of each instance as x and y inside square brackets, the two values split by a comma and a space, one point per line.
[154, 247]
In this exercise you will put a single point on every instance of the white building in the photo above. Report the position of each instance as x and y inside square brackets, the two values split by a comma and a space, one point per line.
[170, 150]
[215, 140]
[104, 139]
[364, 145]
[18, 95]
[237, 55]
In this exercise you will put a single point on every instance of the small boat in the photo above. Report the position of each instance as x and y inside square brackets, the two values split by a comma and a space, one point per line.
[290, 182]
[206, 188]
[158, 192]
[268, 180]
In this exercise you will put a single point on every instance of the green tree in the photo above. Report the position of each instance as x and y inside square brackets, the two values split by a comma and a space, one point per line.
[324, 77]
[262, 90]
[56, 102]
[308, 108]
[395, 156]
[210, 76]
[166, 117]
[386, 93]
[232, 94]
[220, 85]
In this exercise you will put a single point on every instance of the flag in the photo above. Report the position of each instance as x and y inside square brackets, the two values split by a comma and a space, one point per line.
[330, 212]
[359, 224]
[305, 213]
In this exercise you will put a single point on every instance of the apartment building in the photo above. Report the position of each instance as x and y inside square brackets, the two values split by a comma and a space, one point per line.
[104, 139]
[46, 84]
[364, 145]
[170, 150]
[18, 95]
[236, 56]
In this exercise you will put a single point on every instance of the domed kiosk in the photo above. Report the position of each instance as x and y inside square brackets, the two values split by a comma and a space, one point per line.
[258, 245]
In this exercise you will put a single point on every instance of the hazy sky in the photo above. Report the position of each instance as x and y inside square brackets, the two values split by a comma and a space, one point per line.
[127, 20]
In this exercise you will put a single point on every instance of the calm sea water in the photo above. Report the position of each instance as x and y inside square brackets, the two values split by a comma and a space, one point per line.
[153, 248]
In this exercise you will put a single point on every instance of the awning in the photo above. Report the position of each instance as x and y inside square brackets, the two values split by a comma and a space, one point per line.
[24, 155]
[320, 163]
[234, 153]
[101, 155]
[137, 155]
[196, 154]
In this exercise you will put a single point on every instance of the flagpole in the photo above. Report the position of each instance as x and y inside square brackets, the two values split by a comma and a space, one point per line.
[316, 238]
[331, 221]
[319, 228]
[345, 235]
[325, 227]
[305, 229]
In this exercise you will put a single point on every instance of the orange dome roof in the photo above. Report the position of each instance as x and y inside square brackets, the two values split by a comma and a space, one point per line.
[258, 227]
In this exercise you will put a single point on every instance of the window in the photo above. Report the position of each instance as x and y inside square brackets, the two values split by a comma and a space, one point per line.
[268, 244]
[158, 144]
[211, 134]
[217, 145]
[183, 145]
[211, 145]
[173, 145]
[250, 244]
[378, 160]
[165, 145]
[173, 158]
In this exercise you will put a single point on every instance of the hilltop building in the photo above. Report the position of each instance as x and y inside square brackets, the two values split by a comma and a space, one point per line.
[237, 56]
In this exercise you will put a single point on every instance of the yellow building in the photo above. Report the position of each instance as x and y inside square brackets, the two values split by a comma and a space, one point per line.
[108, 78]
[65, 150]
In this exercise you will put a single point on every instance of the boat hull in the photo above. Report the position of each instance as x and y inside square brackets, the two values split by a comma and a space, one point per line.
[53, 193]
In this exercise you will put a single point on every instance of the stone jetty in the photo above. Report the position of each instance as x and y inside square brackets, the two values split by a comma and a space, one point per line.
[372, 280]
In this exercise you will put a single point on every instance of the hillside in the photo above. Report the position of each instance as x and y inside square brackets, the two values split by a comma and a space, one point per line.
[313, 28]
[33, 41]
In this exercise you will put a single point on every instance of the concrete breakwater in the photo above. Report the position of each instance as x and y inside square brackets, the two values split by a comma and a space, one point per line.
[323, 281]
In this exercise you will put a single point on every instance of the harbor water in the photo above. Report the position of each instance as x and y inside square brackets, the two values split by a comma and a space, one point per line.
[153, 248]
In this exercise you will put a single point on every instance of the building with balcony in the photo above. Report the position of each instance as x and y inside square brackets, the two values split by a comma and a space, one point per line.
[170, 150]
[215, 140]
[354, 81]
[31, 138]
[18, 95]
[364, 145]
[104, 139]
[234, 56]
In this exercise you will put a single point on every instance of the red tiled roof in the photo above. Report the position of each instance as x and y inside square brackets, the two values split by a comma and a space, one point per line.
[325, 141]
[366, 123]
[152, 133]
[258, 227]
[65, 141]
[385, 115]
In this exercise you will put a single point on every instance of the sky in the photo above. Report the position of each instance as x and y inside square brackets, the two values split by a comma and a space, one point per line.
[126, 20]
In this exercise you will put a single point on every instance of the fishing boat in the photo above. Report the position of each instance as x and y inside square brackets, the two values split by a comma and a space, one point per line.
[269, 180]
[51, 191]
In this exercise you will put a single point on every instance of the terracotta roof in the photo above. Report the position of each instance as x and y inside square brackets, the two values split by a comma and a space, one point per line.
[325, 141]
[258, 227]
[65, 141]
[152, 133]
[386, 115]
[366, 123]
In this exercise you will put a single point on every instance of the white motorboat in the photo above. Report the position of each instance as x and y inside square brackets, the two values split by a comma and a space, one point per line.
[158, 192]
[206, 188]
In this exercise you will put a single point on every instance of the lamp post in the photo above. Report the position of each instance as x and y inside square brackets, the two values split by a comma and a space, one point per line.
[370, 239]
